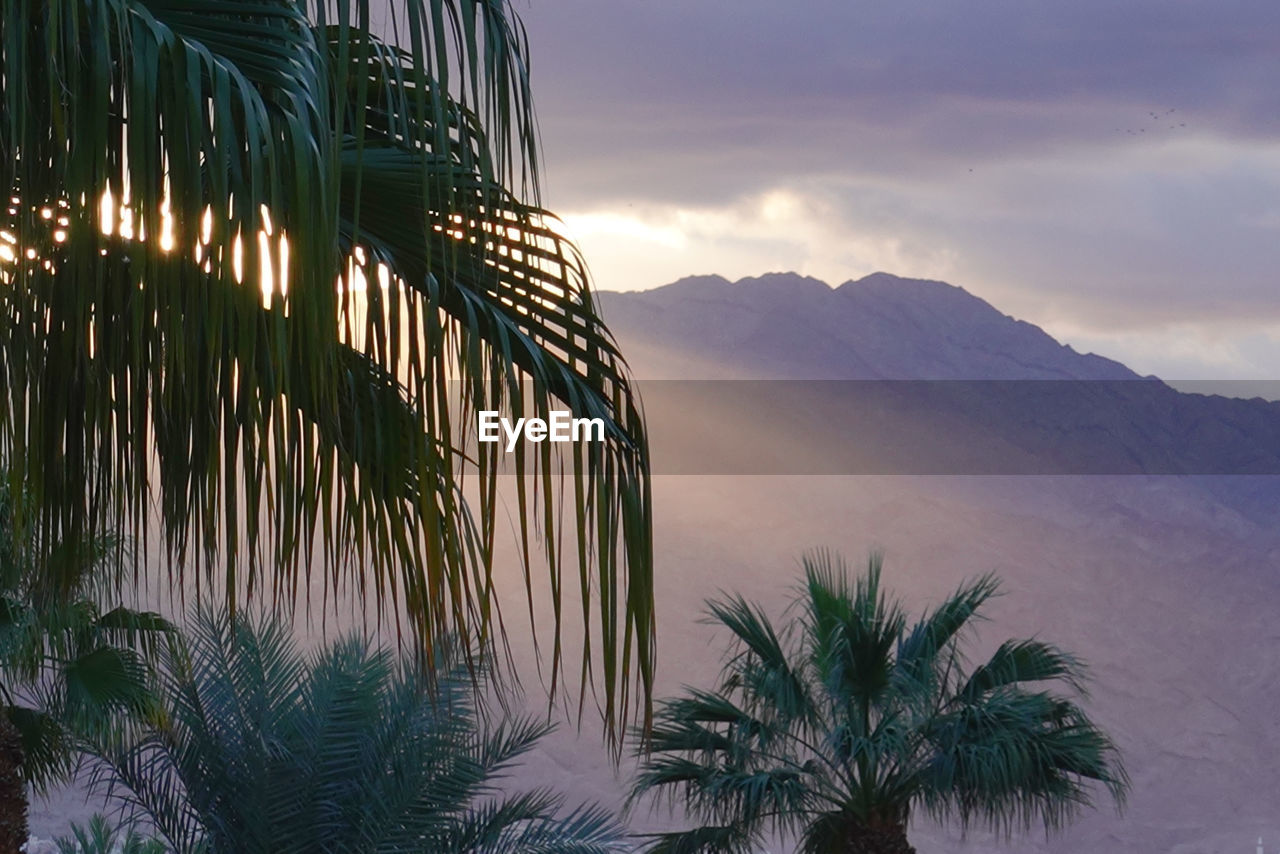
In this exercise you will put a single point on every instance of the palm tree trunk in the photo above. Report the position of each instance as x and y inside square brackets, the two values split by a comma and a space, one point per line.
[13, 791]
[880, 839]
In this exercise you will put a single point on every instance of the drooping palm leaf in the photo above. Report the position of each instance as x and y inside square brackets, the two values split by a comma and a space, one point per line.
[386, 178]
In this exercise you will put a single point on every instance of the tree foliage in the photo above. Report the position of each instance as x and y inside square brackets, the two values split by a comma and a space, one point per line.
[258, 748]
[838, 726]
[261, 263]
[98, 836]
[72, 665]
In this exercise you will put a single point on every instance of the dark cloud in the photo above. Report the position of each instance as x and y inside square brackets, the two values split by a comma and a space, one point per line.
[1113, 167]
[783, 88]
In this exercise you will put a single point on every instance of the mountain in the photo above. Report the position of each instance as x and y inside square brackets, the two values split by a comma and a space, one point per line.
[878, 327]
[890, 375]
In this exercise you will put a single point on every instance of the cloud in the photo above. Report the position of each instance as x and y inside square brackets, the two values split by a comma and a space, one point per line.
[636, 95]
[1111, 169]
[1144, 237]
[782, 229]
[1181, 352]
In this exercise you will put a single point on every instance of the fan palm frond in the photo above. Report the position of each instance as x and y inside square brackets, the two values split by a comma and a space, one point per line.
[836, 728]
[66, 668]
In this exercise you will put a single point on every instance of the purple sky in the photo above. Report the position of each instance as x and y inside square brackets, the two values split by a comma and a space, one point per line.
[1108, 169]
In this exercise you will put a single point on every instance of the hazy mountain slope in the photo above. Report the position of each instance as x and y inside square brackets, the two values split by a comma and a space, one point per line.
[879, 327]
[971, 391]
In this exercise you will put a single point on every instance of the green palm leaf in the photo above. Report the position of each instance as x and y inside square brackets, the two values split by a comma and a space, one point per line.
[258, 748]
[835, 730]
[266, 417]
[67, 670]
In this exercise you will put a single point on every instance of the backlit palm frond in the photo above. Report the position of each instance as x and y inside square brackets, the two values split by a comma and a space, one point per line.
[263, 262]
[502, 304]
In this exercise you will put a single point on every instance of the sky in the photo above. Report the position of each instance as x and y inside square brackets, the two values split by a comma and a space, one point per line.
[1106, 169]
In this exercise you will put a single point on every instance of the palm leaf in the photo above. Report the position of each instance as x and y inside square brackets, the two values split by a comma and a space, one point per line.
[1016, 662]
[931, 635]
[154, 363]
[47, 749]
[1015, 757]
[892, 719]
[257, 749]
[708, 839]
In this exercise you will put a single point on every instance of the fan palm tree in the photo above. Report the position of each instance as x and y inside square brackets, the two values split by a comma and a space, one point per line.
[69, 667]
[259, 749]
[839, 727]
[261, 263]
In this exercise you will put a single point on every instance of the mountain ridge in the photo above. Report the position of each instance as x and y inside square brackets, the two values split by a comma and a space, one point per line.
[881, 326]
[970, 390]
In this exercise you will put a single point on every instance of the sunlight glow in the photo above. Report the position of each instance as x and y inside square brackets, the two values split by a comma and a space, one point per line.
[783, 228]
[117, 217]
[528, 251]
[612, 224]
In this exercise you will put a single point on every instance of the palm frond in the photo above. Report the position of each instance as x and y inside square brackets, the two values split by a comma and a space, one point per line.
[100, 837]
[891, 719]
[707, 839]
[853, 629]
[529, 823]
[104, 678]
[47, 748]
[1016, 757]
[936, 630]
[67, 670]
[1019, 661]
[761, 672]
[258, 749]
[267, 267]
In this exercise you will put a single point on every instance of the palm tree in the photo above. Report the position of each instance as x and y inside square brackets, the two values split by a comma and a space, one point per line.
[100, 837]
[259, 749]
[261, 263]
[69, 667]
[838, 728]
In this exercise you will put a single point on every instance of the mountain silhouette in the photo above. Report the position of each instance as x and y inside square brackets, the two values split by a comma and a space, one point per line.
[878, 327]
[886, 375]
